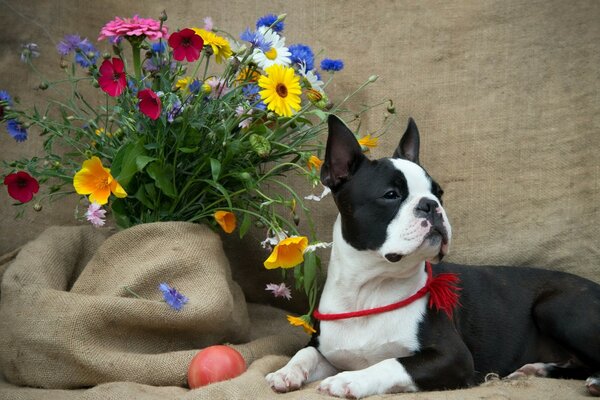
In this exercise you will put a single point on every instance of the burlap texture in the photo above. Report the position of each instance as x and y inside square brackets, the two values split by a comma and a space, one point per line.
[77, 319]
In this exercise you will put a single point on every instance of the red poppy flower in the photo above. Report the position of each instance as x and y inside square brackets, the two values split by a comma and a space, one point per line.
[186, 44]
[112, 77]
[149, 103]
[21, 186]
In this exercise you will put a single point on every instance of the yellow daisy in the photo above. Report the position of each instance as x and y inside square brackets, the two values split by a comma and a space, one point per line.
[226, 219]
[288, 253]
[220, 46]
[281, 91]
[95, 180]
[301, 321]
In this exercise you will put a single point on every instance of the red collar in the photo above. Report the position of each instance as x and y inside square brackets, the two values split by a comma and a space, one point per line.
[443, 294]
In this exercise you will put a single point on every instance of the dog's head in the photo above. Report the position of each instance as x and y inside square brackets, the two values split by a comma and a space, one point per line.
[391, 205]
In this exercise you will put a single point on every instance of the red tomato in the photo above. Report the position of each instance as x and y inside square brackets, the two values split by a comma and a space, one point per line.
[215, 364]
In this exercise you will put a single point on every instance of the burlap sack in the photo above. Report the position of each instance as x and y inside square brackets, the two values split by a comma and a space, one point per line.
[67, 319]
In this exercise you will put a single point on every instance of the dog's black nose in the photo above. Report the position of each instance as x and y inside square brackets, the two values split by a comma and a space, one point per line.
[426, 207]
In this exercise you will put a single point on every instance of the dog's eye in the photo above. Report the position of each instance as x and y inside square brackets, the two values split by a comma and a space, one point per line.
[391, 195]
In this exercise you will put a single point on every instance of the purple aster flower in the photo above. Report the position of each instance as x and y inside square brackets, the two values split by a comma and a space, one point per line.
[269, 20]
[173, 298]
[174, 110]
[69, 44]
[280, 290]
[5, 100]
[302, 53]
[95, 214]
[16, 130]
[257, 40]
[332, 65]
[29, 51]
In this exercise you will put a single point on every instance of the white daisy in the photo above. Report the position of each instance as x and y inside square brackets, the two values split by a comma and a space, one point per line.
[311, 77]
[277, 53]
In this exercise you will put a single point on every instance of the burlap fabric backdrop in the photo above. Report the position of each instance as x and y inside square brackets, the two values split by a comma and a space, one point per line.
[506, 95]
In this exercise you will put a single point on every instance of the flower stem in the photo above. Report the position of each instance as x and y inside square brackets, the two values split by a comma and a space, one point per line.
[132, 292]
[137, 64]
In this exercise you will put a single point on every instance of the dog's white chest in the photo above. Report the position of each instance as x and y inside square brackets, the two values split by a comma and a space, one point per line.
[357, 343]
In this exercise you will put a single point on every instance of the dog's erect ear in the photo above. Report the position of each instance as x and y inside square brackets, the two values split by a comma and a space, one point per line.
[342, 154]
[409, 144]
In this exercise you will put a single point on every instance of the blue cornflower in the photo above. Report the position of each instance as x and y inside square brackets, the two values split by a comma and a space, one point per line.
[256, 38]
[252, 94]
[6, 100]
[132, 85]
[173, 298]
[269, 20]
[332, 65]
[195, 86]
[159, 47]
[302, 53]
[16, 130]
[85, 52]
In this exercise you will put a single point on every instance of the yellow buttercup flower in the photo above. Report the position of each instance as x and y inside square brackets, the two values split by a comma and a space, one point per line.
[95, 180]
[226, 219]
[281, 91]
[314, 162]
[301, 321]
[368, 141]
[220, 46]
[183, 83]
[288, 253]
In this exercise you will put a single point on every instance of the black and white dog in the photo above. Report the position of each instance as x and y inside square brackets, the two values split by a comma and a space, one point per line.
[379, 322]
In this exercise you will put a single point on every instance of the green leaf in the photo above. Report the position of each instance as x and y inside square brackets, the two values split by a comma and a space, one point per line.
[188, 149]
[124, 165]
[143, 198]
[142, 161]
[162, 176]
[119, 210]
[319, 113]
[215, 167]
[246, 223]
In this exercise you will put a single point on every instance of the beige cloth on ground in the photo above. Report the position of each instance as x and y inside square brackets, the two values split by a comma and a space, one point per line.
[67, 321]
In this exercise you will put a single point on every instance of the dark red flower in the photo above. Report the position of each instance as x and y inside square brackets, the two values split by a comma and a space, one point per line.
[112, 77]
[186, 44]
[149, 103]
[21, 186]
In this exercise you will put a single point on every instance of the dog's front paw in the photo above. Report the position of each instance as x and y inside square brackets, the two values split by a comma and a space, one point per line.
[287, 378]
[348, 384]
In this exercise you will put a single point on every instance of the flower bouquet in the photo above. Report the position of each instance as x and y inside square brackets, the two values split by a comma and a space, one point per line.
[185, 125]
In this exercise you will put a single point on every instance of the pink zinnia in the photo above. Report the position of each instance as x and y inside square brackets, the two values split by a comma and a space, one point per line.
[95, 214]
[21, 186]
[149, 103]
[280, 290]
[136, 26]
[112, 77]
[186, 44]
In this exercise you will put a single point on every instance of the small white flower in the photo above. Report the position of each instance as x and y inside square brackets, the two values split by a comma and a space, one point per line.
[271, 241]
[313, 197]
[320, 245]
[208, 24]
[95, 214]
